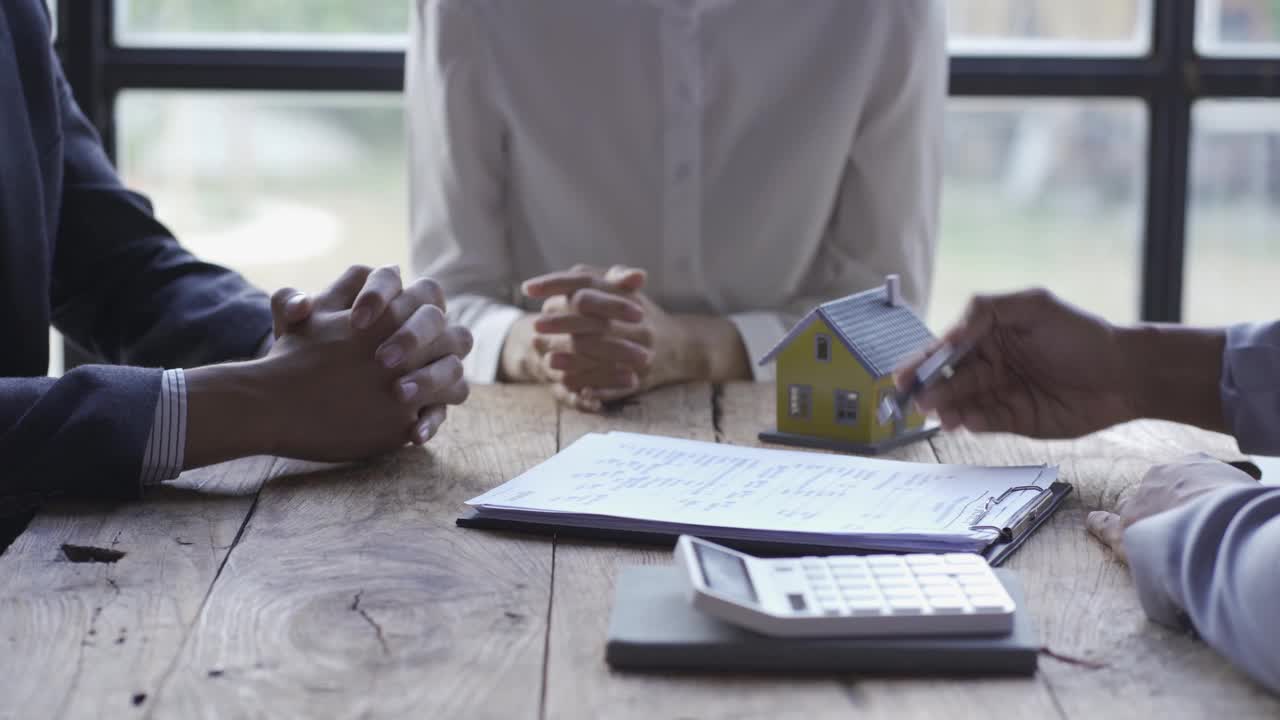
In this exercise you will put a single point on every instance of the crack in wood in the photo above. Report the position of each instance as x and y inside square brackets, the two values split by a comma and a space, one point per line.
[717, 411]
[355, 607]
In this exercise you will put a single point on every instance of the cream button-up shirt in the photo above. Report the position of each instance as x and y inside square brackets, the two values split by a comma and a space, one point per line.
[757, 157]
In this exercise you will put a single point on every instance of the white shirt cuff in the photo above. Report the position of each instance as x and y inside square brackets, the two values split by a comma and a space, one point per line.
[759, 331]
[490, 333]
[166, 448]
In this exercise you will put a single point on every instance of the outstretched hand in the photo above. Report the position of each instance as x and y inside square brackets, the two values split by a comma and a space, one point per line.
[1040, 367]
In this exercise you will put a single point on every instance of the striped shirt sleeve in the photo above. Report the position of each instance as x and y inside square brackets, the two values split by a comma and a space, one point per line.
[166, 445]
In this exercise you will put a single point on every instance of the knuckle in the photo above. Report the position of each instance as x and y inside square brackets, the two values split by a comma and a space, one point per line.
[282, 295]
[429, 290]
[463, 392]
[465, 340]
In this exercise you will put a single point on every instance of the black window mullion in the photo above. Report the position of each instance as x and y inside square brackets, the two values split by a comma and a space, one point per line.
[1168, 79]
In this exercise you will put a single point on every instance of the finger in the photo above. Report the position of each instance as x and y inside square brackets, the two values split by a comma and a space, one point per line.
[575, 400]
[621, 278]
[568, 323]
[555, 304]
[454, 340]
[569, 362]
[974, 380]
[612, 351]
[288, 308]
[407, 346]
[606, 305]
[435, 384]
[1108, 528]
[429, 422]
[566, 282]
[342, 293]
[380, 288]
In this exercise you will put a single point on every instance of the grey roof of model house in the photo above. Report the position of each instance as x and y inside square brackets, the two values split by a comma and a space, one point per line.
[880, 335]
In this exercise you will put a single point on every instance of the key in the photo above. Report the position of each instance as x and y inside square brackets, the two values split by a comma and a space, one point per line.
[947, 604]
[987, 603]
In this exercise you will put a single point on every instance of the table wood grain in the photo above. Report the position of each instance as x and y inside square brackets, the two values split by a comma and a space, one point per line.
[273, 588]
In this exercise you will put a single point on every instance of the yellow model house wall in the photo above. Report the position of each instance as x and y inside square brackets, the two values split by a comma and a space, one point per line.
[798, 365]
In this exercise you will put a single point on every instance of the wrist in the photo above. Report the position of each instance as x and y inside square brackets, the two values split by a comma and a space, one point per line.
[517, 352]
[230, 413]
[1173, 373]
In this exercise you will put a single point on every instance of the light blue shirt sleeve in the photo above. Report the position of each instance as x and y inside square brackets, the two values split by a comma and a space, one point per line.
[165, 452]
[1251, 387]
[1215, 562]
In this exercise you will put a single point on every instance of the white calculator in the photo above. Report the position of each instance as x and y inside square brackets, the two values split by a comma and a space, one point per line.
[847, 596]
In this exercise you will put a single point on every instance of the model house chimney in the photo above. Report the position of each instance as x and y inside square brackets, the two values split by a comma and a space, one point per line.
[893, 290]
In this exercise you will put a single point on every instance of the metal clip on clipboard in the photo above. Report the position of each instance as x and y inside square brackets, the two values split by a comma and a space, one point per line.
[1026, 518]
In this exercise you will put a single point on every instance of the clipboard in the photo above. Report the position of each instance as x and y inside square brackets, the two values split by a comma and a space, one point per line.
[1008, 539]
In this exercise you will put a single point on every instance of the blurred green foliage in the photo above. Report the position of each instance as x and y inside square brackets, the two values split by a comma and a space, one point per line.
[366, 16]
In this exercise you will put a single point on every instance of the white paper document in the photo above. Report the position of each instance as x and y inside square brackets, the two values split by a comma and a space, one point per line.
[657, 484]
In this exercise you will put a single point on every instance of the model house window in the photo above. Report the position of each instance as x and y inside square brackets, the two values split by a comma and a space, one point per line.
[799, 400]
[822, 347]
[846, 407]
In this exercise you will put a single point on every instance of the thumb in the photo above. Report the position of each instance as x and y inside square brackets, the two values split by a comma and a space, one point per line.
[1108, 528]
[288, 308]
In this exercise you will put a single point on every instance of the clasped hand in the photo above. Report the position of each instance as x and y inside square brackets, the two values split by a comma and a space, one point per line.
[599, 338]
[365, 366]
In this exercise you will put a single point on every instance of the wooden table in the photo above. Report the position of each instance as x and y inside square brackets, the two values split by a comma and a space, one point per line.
[270, 588]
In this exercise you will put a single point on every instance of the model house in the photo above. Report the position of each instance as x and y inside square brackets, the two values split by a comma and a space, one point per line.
[835, 367]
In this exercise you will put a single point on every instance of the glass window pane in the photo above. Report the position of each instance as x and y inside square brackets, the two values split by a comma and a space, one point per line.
[1049, 27]
[288, 188]
[1042, 192]
[263, 23]
[1238, 27]
[1233, 222]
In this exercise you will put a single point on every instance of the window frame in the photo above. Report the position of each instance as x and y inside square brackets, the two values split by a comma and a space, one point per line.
[822, 347]
[803, 393]
[1168, 79]
[840, 401]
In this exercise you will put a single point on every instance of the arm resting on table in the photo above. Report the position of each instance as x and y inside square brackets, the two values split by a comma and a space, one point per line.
[1217, 560]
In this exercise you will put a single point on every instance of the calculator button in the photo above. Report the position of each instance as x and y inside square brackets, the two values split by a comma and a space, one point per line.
[923, 571]
[864, 609]
[847, 562]
[849, 571]
[947, 605]
[965, 559]
[969, 571]
[780, 568]
[987, 603]
[879, 561]
[797, 602]
[935, 580]
[865, 589]
[895, 582]
[890, 571]
[906, 606]
[940, 590]
[892, 592]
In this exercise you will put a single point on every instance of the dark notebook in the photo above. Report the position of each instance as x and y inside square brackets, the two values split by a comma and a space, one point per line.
[654, 627]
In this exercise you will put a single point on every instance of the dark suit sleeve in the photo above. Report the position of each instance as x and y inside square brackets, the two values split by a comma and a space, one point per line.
[81, 434]
[122, 286]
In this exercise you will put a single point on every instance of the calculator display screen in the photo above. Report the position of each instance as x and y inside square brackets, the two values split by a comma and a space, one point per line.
[725, 574]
